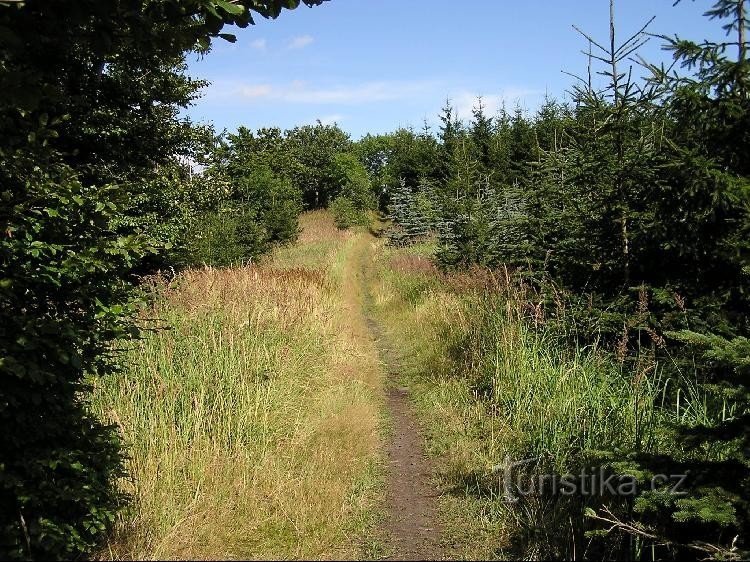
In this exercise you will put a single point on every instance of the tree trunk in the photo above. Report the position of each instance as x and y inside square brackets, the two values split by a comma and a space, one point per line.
[613, 51]
[741, 30]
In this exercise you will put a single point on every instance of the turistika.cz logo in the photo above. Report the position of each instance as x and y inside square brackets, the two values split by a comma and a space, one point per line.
[517, 482]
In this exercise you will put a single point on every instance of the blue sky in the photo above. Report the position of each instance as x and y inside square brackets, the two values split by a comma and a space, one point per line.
[375, 65]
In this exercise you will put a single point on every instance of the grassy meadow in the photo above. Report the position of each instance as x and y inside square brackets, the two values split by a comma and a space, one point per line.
[256, 422]
[253, 421]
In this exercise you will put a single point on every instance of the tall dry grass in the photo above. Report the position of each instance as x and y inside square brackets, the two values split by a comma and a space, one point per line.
[252, 422]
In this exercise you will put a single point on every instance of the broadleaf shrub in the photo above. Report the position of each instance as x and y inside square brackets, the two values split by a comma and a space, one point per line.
[91, 194]
[66, 294]
[346, 214]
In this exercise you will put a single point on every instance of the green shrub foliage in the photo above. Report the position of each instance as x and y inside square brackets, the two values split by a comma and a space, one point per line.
[65, 297]
[346, 214]
[255, 212]
[92, 194]
[351, 187]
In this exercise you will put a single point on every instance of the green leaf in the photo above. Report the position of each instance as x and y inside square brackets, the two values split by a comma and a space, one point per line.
[230, 8]
[203, 43]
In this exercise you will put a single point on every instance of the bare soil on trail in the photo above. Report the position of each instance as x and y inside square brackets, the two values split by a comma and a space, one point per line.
[411, 528]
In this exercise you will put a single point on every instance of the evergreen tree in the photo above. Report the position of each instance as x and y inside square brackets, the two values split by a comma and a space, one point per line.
[411, 213]
[465, 227]
[450, 132]
[701, 221]
[481, 135]
[520, 148]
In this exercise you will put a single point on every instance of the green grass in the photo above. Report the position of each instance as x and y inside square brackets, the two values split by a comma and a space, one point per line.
[252, 423]
[255, 422]
[488, 386]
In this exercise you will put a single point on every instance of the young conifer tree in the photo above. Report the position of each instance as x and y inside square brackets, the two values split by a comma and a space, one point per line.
[704, 210]
[411, 212]
[481, 132]
[449, 135]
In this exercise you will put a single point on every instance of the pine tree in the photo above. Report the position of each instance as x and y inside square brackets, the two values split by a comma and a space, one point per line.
[481, 135]
[660, 176]
[704, 213]
[586, 176]
[450, 132]
[411, 213]
[468, 214]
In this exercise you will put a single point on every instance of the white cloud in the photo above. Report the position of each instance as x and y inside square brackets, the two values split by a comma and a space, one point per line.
[255, 91]
[331, 119]
[301, 41]
[302, 92]
[361, 93]
[259, 44]
[465, 101]
[342, 99]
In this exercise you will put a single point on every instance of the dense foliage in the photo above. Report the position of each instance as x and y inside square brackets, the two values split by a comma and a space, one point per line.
[90, 142]
[271, 175]
[629, 212]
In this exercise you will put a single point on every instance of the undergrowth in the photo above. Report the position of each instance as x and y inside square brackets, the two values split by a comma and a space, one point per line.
[494, 386]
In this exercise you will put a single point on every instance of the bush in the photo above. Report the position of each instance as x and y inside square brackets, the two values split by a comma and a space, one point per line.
[352, 181]
[346, 214]
[64, 279]
[226, 237]
[354, 188]
[275, 201]
[255, 213]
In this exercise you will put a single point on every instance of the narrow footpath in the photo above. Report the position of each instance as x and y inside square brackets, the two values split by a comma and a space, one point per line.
[411, 529]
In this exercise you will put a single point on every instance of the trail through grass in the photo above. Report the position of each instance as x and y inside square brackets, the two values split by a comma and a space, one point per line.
[253, 422]
[490, 388]
[257, 422]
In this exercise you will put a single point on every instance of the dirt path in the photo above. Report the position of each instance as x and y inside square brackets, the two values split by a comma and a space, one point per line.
[410, 530]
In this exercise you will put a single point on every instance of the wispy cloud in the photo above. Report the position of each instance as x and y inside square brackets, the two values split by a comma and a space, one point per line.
[331, 119]
[255, 91]
[465, 101]
[348, 102]
[301, 41]
[368, 92]
[303, 93]
[259, 44]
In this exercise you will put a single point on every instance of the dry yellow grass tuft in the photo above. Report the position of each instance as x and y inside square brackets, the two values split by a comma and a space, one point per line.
[253, 421]
[318, 226]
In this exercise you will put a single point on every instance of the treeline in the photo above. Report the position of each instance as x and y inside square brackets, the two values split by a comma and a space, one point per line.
[628, 213]
[241, 193]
